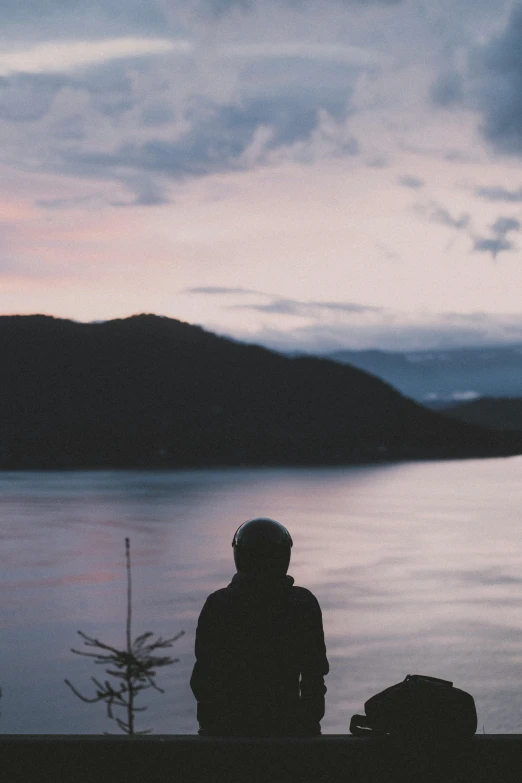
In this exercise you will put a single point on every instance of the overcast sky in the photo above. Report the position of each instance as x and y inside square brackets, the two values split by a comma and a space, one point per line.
[309, 174]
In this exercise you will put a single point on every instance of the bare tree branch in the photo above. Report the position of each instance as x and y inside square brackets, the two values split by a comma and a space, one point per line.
[135, 666]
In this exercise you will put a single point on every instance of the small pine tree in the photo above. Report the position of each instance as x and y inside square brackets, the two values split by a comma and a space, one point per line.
[133, 669]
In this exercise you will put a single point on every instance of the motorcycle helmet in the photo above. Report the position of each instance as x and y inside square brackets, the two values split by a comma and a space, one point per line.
[262, 546]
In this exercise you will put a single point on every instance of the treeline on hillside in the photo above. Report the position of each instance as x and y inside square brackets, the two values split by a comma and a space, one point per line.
[501, 413]
[148, 391]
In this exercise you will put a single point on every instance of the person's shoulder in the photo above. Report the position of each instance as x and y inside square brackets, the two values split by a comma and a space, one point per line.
[218, 595]
[223, 598]
[303, 595]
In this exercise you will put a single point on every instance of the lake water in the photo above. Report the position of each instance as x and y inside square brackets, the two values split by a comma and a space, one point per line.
[417, 567]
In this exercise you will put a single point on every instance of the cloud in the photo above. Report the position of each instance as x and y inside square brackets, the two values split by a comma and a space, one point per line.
[278, 305]
[410, 181]
[482, 71]
[294, 307]
[503, 225]
[393, 331]
[498, 193]
[447, 90]
[213, 290]
[28, 98]
[436, 213]
[144, 110]
[64, 203]
[41, 17]
[107, 90]
[109, 87]
[441, 215]
[493, 245]
[219, 138]
[204, 96]
[148, 192]
[63, 56]
[285, 108]
[389, 254]
[499, 242]
[356, 56]
[217, 8]
[377, 162]
[496, 69]
[156, 114]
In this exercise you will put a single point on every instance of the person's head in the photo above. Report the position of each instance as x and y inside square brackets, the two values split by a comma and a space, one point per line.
[262, 547]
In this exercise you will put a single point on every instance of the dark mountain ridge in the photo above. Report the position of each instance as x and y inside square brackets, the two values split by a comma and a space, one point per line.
[149, 391]
[444, 375]
[504, 413]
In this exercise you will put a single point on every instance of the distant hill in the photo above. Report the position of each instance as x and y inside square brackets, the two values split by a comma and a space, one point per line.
[435, 376]
[148, 391]
[496, 413]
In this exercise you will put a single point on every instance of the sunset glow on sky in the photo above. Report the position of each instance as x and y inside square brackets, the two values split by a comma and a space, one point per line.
[310, 174]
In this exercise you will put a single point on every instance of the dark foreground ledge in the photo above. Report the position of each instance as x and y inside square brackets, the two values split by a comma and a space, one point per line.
[493, 758]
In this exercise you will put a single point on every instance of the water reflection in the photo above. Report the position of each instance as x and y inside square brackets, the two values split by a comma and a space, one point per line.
[417, 568]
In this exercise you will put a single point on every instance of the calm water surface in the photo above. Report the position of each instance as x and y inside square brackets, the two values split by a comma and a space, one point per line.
[418, 569]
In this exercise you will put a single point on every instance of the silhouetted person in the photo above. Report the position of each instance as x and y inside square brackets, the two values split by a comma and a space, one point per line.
[260, 652]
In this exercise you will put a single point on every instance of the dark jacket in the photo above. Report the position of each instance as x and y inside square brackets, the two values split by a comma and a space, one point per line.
[260, 659]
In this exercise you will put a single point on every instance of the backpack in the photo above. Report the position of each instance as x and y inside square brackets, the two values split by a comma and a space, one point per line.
[418, 707]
